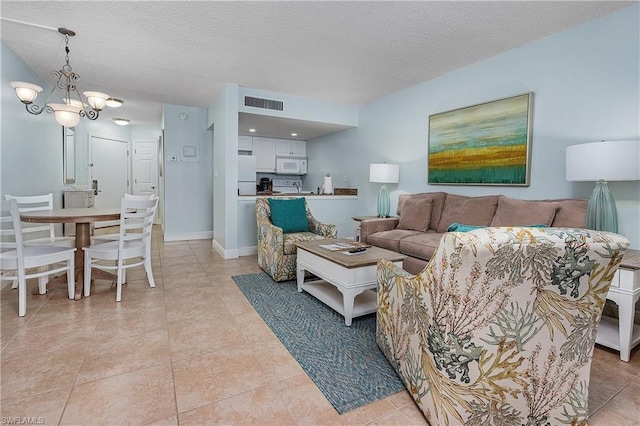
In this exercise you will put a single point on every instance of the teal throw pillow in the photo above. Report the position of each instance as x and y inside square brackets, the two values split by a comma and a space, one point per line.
[290, 215]
[458, 227]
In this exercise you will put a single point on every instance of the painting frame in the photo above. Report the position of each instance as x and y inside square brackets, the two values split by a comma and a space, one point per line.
[485, 144]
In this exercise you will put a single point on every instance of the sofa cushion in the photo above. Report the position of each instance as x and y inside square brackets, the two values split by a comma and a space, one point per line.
[421, 246]
[416, 213]
[513, 212]
[572, 213]
[467, 210]
[290, 215]
[390, 240]
[435, 198]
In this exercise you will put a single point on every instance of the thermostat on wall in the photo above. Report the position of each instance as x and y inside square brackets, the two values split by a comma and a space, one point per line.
[190, 153]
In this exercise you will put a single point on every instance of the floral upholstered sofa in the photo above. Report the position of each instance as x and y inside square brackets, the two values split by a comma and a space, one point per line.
[277, 248]
[499, 328]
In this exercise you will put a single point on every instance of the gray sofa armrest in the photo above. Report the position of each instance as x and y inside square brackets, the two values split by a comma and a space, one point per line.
[371, 226]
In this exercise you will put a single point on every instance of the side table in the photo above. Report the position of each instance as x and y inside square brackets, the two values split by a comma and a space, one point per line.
[356, 225]
[622, 334]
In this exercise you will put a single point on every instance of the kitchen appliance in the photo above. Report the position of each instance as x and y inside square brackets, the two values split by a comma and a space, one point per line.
[291, 165]
[265, 184]
[288, 186]
[246, 175]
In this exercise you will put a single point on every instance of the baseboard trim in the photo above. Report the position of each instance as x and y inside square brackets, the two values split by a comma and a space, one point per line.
[248, 251]
[189, 236]
[226, 254]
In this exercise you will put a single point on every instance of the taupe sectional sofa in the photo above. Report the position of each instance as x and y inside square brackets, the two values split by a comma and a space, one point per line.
[424, 218]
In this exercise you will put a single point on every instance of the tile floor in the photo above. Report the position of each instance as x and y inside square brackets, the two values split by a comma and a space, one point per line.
[193, 351]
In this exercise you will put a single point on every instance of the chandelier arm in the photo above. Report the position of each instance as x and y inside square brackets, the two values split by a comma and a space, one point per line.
[87, 110]
[36, 109]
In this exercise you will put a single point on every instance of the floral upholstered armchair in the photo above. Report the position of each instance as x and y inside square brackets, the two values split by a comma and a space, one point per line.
[276, 248]
[499, 327]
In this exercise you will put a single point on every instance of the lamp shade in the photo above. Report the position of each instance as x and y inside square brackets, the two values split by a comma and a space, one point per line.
[67, 115]
[97, 100]
[606, 160]
[26, 92]
[384, 173]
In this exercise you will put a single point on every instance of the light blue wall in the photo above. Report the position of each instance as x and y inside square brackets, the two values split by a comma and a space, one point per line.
[31, 152]
[31, 146]
[145, 133]
[586, 88]
[188, 190]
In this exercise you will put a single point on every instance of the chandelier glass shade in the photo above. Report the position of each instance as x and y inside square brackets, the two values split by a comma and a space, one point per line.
[67, 114]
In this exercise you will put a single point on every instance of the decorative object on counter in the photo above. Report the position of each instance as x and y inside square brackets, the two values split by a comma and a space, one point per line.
[384, 173]
[67, 114]
[328, 186]
[485, 144]
[601, 162]
[345, 191]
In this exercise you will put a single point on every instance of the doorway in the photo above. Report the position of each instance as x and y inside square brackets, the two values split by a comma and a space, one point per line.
[145, 170]
[109, 170]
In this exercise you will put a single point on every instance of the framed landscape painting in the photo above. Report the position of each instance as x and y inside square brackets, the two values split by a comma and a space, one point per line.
[485, 144]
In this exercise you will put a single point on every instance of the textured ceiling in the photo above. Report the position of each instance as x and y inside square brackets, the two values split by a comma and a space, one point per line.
[353, 52]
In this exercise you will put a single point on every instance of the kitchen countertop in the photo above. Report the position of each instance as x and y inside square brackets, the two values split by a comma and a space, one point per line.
[314, 196]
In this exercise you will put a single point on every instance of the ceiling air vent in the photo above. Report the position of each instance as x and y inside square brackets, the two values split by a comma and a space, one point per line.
[263, 103]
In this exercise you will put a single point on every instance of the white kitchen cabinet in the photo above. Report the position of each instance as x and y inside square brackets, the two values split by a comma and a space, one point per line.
[265, 151]
[245, 143]
[291, 148]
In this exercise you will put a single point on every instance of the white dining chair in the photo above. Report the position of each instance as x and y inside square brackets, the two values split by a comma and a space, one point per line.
[136, 222]
[39, 233]
[23, 259]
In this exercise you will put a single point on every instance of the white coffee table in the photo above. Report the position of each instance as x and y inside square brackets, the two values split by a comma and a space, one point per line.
[345, 280]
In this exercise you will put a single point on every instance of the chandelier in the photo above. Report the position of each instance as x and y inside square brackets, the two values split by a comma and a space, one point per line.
[68, 113]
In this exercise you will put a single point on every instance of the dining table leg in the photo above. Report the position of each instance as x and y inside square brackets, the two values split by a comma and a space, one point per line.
[83, 239]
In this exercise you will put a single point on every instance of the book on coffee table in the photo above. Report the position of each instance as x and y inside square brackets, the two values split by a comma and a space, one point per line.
[343, 246]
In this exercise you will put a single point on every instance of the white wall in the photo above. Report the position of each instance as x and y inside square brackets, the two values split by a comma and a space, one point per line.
[299, 108]
[586, 88]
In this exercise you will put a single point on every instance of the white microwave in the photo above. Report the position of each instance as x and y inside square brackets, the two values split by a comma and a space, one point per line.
[291, 165]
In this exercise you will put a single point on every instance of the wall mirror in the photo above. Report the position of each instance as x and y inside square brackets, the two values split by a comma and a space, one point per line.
[68, 155]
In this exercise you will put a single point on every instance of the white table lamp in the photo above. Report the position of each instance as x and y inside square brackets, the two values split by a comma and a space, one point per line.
[601, 162]
[384, 173]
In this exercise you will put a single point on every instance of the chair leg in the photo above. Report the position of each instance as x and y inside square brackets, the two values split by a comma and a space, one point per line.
[22, 296]
[42, 281]
[71, 282]
[86, 285]
[147, 268]
[120, 277]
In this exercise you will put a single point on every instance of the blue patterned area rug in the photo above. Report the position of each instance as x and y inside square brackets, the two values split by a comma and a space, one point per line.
[344, 362]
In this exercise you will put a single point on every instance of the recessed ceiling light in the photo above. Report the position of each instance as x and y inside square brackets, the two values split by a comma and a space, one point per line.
[121, 121]
[294, 134]
[114, 103]
[252, 130]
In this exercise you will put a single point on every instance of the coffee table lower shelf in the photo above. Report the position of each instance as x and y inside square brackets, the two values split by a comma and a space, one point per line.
[365, 303]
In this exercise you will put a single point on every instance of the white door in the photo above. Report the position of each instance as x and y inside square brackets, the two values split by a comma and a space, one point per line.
[109, 169]
[145, 169]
